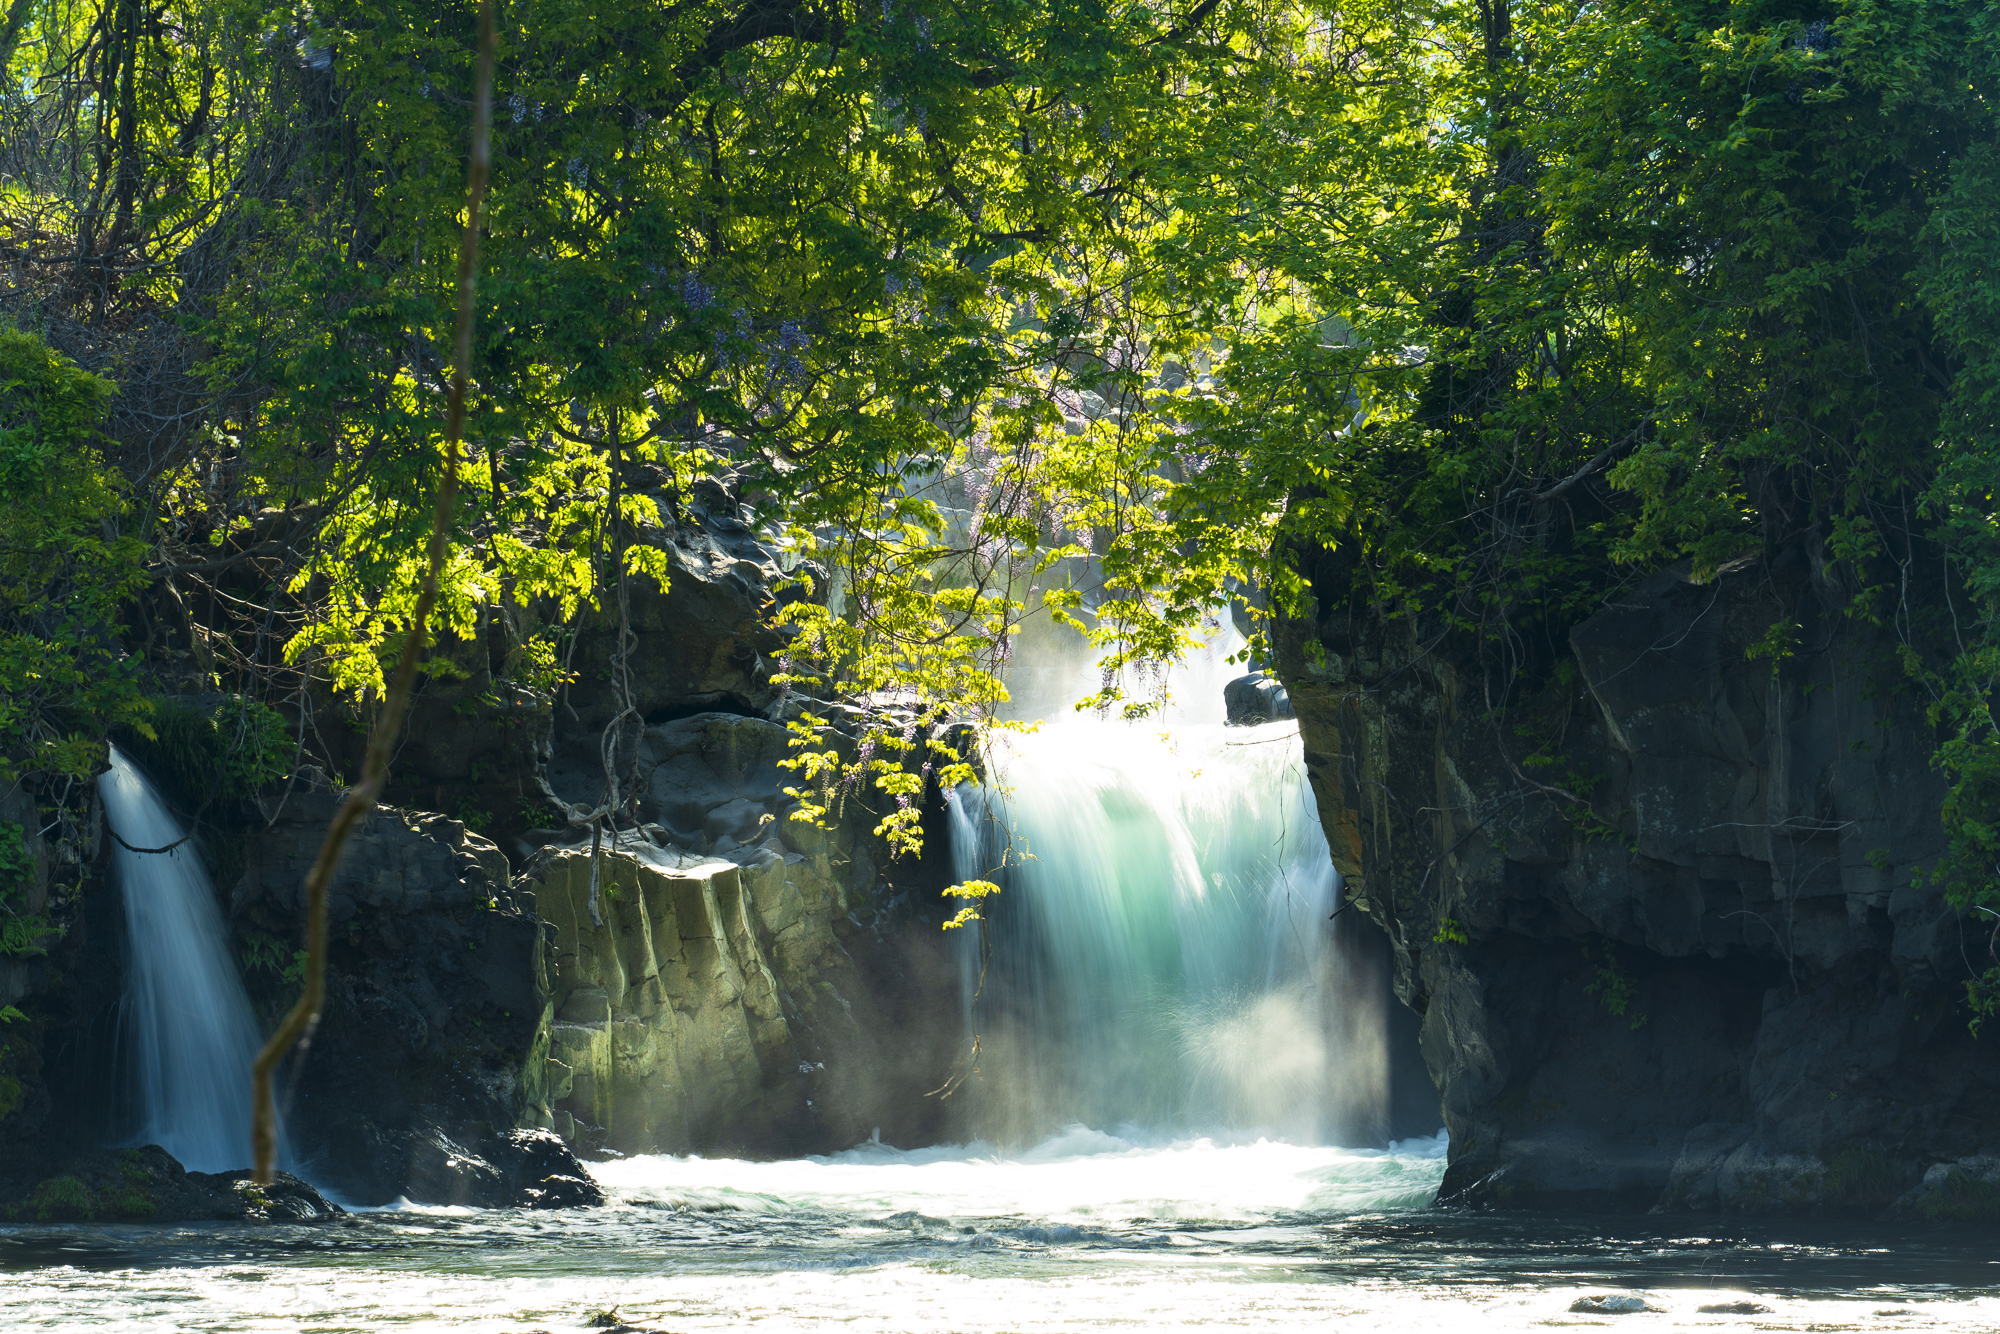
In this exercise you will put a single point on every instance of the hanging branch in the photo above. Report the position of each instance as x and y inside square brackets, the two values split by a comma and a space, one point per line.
[360, 799]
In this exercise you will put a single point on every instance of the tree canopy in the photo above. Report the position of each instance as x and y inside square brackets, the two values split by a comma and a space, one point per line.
[1027, 308]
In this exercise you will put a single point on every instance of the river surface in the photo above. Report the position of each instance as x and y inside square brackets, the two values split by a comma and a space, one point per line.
[1086, 1231]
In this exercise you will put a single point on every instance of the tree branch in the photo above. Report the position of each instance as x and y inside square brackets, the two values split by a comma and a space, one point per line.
[361, 798]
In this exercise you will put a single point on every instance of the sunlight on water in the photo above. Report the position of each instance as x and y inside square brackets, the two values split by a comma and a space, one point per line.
[1163, 950]
[1080, 1175]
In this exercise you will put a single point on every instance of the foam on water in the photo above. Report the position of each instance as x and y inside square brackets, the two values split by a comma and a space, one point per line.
[1078, 1175]
[1088, 1230]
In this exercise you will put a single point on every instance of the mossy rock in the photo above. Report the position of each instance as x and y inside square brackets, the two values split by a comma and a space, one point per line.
[62, 1199]
[1961, 1198]
[120, 1189]
[146, 1185]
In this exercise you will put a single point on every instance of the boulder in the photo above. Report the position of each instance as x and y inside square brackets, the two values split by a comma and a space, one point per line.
[1965, 1190]
[530, 1169]
[1614, 1303]
[1256, 698]
[703, 639]
[147, 1185]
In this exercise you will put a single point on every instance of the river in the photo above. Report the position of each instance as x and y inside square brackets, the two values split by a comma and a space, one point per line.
[1085, 1231]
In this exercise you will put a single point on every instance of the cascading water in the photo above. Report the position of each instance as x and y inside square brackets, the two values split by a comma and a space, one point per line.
[191, 1033]
[1161, 956]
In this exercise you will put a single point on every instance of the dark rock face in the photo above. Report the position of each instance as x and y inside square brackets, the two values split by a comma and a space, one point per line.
[59, 1075]
[146, 1185]
[530, 1169]
[435, 994]
[1668, 931]
[701, 644]
[1254, 699]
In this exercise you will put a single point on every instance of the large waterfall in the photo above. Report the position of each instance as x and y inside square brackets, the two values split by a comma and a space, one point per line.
[1163, 955]
[190, 1031]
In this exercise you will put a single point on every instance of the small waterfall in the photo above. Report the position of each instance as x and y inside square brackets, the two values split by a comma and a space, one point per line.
[1161, 955]
[192, 1036]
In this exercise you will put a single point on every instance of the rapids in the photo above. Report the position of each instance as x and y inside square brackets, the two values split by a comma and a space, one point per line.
[1083, 1232]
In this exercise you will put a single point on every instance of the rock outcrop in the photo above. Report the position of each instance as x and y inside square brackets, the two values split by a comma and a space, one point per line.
[703, 642]
[146, 1185]
[1666, 921]
[674, 1020]
[436, 994]
[1256, 698]
[748, 982]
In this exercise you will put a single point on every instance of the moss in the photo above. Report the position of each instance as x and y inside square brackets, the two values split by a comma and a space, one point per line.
[1962, 1199]
[133, 1197]
[61, 1199]
[213, 748]
[130, 1202]
[1859, 1180]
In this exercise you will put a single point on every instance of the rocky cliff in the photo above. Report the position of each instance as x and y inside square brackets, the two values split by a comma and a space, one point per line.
[1665, 917]
[743, 983]
[748, 982]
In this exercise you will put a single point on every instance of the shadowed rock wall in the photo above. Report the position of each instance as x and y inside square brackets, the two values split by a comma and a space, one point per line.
[1666, 921]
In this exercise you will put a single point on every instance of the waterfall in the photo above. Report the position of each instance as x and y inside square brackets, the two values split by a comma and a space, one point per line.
[191, 1033]
[1161, 955]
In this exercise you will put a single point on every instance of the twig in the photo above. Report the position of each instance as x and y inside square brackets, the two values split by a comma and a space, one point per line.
[360, 799]
[169, 848]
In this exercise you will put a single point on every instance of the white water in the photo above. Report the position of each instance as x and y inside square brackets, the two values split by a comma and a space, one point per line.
[1161, 954]
[1078, 1177]
[190, 1031]
[1081, 1232]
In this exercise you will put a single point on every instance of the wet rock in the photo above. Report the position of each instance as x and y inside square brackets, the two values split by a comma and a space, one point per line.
[286, 1200]
[147, 1185]
[542, 1171]
[1256, 698]
[1610, 1304]
[530, 1169]
[736, 990]
[680, 1019]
